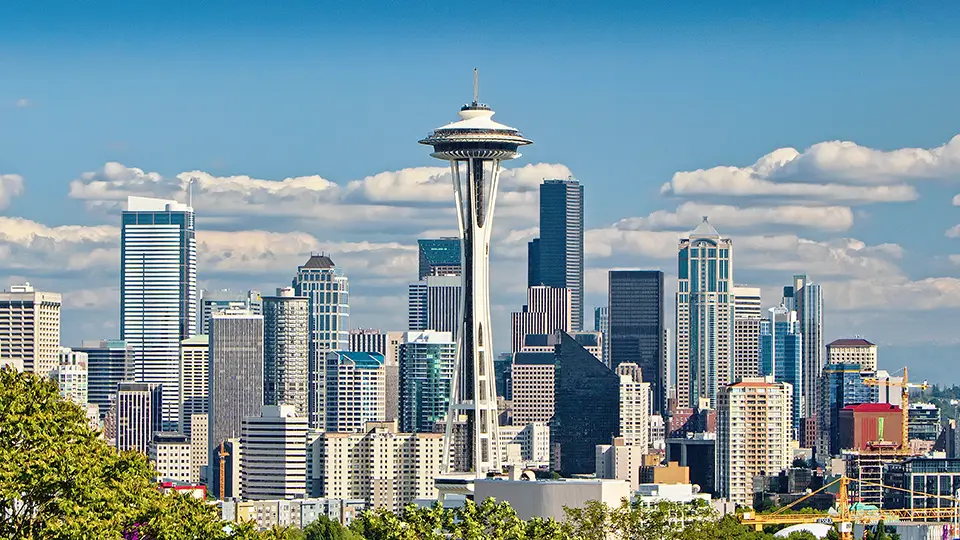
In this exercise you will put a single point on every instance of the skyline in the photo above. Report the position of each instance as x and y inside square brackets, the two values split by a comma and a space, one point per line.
[876, 229]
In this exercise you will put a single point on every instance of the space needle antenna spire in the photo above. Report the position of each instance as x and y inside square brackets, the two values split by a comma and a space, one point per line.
[476, 86]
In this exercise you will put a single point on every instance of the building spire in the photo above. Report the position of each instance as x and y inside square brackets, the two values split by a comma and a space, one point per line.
[476, 86]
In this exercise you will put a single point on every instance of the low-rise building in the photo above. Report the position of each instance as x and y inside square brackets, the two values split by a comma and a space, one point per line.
[171, 455]
[548, 498]
[297, 513]
[533, 441]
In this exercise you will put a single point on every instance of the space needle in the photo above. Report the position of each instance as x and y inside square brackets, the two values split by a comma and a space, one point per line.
[475, 146]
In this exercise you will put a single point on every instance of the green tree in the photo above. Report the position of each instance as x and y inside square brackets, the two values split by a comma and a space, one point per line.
[325, 528]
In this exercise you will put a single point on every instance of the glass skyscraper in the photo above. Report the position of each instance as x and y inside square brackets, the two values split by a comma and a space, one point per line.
[439, 257]
[705, 303]
[561, 242]
[807, 299]
[636, 326]
[158, 293]
[109, 362]
[426, 372]
[840, 385]
[328, 290]
[781, 354]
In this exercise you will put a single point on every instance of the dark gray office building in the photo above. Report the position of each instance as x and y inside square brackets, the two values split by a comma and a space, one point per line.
[636, 326]
[533, 263]
[560, 245]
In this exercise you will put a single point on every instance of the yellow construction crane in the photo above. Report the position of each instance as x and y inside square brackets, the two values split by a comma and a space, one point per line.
[905, 386]
[847, 514]
[223, 455]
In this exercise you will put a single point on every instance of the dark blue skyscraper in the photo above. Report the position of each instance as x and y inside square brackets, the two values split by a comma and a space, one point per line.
[439, 257]
[533, 263]
[561, 241]
[636, 326]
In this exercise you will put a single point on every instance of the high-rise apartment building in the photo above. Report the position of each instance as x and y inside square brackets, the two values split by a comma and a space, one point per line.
[236, 382]
[158, 293]
[426, 370]
[194, 380]
[601, 323]
[853, 351]
[807, 299]
[433, 303]
[636, 326]
[386, 468]
[561, 241]
[356, 390]
[781, 354]
[704, 315]
[532, 387]
[29, 329]
[218, 300]
[274, 457]
[439, 257]
[634, 406]
[328, 290]
[746, 332]
[137, 415]
[72, 376]
[546, 311]
[109, 362]
[754, 419]
[388, 345]
[286, 350]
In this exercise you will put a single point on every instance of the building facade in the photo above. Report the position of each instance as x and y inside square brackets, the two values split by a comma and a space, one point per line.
[426, 370]
[636, 326]
[532, 387]
[439, 257]
[356, 391]
[137, 415]
[781, 354]
[221, 299]
[71, 375]
[746, 332]
[171, 455]
[808, 303]
[274, 458]
[853, 351]
[194, 379]
[286, 350]
[29, 329]
[704, 315]
[109, 362]
[546, 311]
[561, 242]
[601, 323]
[840, 385]
[433, 303]
[634, 406]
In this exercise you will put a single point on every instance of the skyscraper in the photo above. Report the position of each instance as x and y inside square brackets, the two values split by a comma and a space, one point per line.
[386, 344]
[194, 380]
[781, 354]
[136, 415]
[158, 293]
[274, 458]
[426, 369]
[356, 390]
[533, 263]
[475, 146]
[29, 329]
[433, 303]
[636, 326]
[214, 301]
[109, 362]
[286, 350]
[808, 302]
[634, 406]
[328, 290]
[439, 257]
[236, 381]
[746, 332]
[72, 377]
[601, 323]
[546, 311]
[840, 385]
[704, 315]
[561, 241]
[853, 351]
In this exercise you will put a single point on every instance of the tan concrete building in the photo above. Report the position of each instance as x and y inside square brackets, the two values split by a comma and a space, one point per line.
[385, 468]
[634, 406]
[754, 424]
[853, 351]
[199, 447]
[532, 387]
[29, 329]
[620, 461]
[171, 455]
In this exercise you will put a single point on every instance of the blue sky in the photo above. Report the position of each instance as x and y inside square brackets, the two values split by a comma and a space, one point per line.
[623, 97]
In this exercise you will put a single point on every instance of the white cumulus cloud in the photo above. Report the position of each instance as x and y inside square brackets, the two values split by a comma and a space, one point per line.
[830, 218]
[11, 185]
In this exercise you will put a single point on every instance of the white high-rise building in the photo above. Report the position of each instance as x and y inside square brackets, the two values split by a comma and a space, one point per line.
[286, 350]
[72, 376]
[387, 344]
[433, 303]
[158, 293]
[356, 391]
[136, 415]
[29, 329]
[705, 303]
[328, 290]
[426, 372]
[807, 301]
[274, 457]
[546, 311]
[194, 380]
[754, 426]
[219, 300]
[853, 351]
[746, 332]
[634, 406]
[386, 468]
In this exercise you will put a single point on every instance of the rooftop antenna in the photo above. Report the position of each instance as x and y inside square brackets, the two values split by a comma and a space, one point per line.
[190, 191]
[476, 87]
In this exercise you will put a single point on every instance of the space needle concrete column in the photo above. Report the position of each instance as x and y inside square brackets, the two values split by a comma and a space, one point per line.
[475, 146]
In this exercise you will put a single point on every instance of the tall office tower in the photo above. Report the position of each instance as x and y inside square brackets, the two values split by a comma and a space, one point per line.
[475, 146]
[439, 257]
[433, 303]
[546, 311]
[426, 372]
[328, 290]
[385, 468]
[853, 351]
[368, 340]
[532, 387]
[29, 329]
[746, 332]
[194, 380]
[667, 366]
[601, 323]
[586, 407]
[533, 263]
[840, 385]
[109, 362]
[753, 435]
[236, 382]
[634, 406]
[806, 298]
[561, 241]
[199, 447]
[158, 293]
[356, 390]
[137, 415]
[781, 354]
[704, 315]
[71, 376]
[286, 350]
[591, 341]
[388, 345]
[214, 301]
[636, 326]
[171, 457]
[274, 458]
